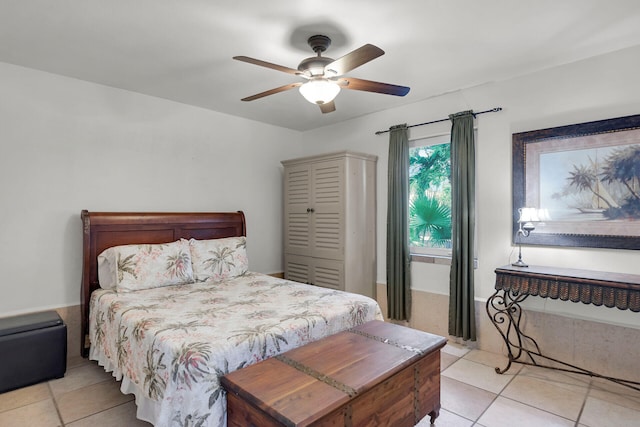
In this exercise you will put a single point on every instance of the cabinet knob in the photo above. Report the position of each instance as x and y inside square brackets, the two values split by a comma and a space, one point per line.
[310, 210]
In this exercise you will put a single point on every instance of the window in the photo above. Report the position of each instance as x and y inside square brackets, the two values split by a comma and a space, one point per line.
[430, 196]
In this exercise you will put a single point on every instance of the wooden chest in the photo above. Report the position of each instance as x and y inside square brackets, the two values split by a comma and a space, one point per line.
[378, 374]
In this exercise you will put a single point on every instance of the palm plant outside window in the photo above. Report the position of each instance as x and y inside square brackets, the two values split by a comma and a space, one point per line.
[430, 196]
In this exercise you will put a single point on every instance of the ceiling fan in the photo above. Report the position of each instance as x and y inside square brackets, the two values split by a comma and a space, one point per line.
[324, 74]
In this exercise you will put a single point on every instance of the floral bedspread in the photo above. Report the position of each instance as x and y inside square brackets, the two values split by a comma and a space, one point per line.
[170, 345]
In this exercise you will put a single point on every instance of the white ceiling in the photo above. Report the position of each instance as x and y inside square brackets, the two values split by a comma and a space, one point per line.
[182, 49]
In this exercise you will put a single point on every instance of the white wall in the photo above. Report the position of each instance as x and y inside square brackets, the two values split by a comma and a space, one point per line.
[68, 145]
[593, 89]
[62, 139]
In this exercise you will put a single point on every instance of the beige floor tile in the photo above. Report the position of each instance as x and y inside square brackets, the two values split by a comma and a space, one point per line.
[479, 375]
[464, 399]
[121, 415]
[79, 377]
[75, 361]
[509, 413]
[24, 396]
[561, 399]
[89, 400]
[446, 360]
[455, 349]
[446, 419]
[599, 413]
[561, 378]
[39, 414]
[486, 358]
[615, 393]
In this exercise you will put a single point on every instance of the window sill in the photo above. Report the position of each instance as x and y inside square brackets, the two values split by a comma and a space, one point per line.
[436, 259]
[431, 259]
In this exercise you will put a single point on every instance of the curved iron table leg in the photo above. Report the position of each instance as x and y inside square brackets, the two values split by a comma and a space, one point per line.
[504, 311]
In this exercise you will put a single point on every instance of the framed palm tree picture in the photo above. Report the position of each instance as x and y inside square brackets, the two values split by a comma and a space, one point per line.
[584, 182]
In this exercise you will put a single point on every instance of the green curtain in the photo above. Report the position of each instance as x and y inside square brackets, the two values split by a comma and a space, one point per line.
[462, 320]
[398, 257]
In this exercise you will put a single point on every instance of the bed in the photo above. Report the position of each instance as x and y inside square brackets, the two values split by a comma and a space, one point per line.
[170, 344]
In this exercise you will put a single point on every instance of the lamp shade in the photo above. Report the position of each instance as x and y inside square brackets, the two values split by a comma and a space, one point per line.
[528, 215]
[319, 91]
[543, 215]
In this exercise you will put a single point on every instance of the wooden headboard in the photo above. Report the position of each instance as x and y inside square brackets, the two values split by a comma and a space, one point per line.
[102, 230]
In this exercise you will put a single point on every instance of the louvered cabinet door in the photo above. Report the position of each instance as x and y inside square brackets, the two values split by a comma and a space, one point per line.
[297, 190]
[327, 207]
[327, 273]
[297, 268]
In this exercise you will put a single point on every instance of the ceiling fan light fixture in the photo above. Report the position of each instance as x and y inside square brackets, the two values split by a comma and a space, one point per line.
[319, 91]
[324, 74]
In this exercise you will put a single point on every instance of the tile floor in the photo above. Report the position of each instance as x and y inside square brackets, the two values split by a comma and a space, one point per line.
[472, 394]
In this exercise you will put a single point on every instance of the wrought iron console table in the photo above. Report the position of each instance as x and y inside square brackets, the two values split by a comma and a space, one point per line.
[515, 284]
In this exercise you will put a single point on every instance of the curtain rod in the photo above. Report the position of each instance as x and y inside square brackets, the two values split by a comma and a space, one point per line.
[493, 110]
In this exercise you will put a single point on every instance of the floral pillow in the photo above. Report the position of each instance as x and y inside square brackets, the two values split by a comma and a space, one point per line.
[219, 259]
[135, 267]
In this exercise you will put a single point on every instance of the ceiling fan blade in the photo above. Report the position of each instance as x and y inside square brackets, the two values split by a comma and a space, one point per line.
[328, 107]
[354, 59]
[371, 86]
[271, 91]
[268, 65]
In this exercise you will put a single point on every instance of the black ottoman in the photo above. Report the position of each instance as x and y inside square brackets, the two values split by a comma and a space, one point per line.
[33, 348]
